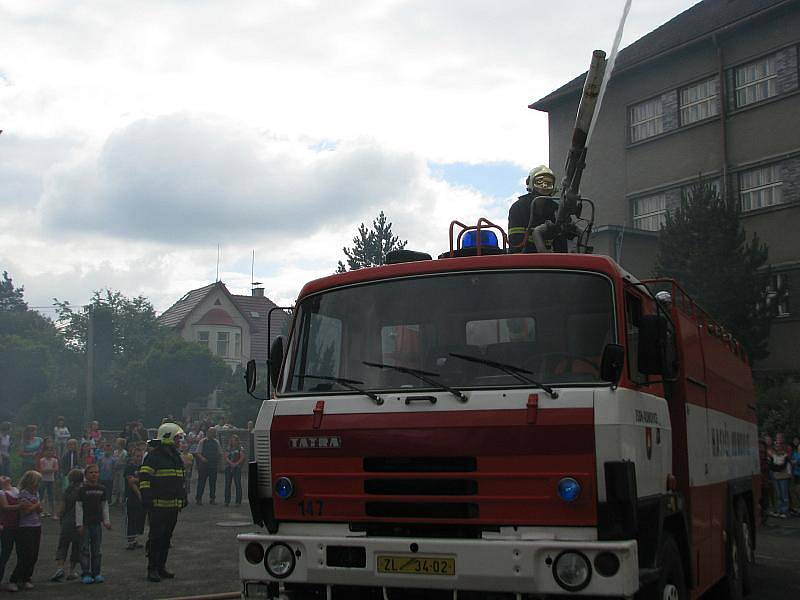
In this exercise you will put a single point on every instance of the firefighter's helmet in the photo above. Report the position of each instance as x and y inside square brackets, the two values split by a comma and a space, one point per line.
[541, 181]
[169, 433]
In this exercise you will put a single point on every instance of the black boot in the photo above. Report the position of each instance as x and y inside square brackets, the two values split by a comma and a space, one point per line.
[166, 574]
[152, 575]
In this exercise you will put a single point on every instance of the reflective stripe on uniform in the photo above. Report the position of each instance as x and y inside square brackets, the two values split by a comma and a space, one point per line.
[174, 503]
[144, 485]
[146, 469]
[169, 473]
[517, 230]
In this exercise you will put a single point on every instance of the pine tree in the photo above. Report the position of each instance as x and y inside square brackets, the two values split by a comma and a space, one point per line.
[371, 246]
[11, 298]
[704, 247]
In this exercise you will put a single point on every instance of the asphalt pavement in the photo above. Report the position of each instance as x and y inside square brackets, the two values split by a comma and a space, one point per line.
[204, 557]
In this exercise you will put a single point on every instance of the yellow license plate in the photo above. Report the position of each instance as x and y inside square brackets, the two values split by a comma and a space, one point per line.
[417, 565]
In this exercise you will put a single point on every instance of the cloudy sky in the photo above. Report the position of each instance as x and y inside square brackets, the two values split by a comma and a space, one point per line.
[140, 135]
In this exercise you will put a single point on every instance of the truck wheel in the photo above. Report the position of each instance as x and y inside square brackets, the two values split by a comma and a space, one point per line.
[735, 560]
[748, 543]
[671, 584]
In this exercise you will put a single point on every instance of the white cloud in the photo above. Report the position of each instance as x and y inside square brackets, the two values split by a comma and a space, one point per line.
[138, 135]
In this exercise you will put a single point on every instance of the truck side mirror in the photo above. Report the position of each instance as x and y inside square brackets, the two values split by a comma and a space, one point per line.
[275, 359]
[652, 344]
[250, 376]
[612, 363]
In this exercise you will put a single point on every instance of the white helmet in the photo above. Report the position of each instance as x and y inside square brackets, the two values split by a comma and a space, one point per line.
[169, 433]
[541, 180]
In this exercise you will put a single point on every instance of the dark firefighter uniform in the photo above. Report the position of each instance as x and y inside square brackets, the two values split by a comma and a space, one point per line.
[161, 481]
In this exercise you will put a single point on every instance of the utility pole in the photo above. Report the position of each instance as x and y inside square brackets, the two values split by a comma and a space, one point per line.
[88, 414]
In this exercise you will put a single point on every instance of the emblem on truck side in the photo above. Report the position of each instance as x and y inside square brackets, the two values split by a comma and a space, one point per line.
[304, 443]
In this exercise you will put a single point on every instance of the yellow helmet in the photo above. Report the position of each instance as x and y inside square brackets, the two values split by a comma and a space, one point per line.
[169, 433]
[541, 180]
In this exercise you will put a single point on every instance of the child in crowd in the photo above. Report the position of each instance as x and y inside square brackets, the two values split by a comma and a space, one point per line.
[61, 435]
[188, 464]
[48, 467]
[93, 434]
[10, 509]
[71, 459]
[91, 514]
[134, 511]
[69, 539]
[87, 456]
[120, 462]
[29, 531]
[106, 462]
[5, 448]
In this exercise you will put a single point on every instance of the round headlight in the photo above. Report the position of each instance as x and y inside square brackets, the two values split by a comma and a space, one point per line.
[279, 560]
[254, 553]
[569, 489]
[572, 571]
[284, 488]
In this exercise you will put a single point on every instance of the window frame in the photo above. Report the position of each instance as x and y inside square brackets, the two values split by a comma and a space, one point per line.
[771, 185]
[657, 117]
[769, 78]
[713, 101]
[227, 338]
[650, 214]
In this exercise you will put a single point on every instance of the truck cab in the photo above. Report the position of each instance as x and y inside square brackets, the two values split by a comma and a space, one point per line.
[501, 426]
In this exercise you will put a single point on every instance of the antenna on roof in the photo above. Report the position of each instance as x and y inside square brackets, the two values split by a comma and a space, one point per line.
[252, 269]
[217, 279]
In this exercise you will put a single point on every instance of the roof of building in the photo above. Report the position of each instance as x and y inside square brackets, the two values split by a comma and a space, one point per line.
[255, 310]
[692, 25]
[216, 316]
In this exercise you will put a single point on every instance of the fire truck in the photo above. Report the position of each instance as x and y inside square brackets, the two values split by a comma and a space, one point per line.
[491, 424]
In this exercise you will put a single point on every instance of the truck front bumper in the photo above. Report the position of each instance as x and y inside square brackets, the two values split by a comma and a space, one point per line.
[521, 566]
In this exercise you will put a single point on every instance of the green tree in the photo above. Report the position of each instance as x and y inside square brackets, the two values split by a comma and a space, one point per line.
[11, 298]
[38, 374]
[370, 246]
[704, 247]
[240, 406]
[779, 410]
[150, 371]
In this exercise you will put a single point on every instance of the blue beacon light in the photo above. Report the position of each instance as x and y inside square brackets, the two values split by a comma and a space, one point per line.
[488, 238]
[569, 489]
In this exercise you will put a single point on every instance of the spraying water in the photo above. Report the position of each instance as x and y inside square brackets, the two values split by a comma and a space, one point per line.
[609, 66]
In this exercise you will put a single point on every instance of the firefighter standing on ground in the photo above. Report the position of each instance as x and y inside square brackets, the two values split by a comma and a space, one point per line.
[163, 496]
[540, 182]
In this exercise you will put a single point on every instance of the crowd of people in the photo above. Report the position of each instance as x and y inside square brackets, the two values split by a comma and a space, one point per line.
[780, 481]
[74, 479]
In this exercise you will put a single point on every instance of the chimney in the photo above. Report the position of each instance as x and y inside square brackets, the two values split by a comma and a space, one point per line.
[258, 292]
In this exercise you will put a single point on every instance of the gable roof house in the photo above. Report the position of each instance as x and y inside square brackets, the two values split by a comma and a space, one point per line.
[714, 93]
[233, 326]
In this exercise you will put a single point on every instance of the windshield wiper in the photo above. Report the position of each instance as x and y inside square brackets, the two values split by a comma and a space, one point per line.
[348, 383]
[423, 375]
[510, 369]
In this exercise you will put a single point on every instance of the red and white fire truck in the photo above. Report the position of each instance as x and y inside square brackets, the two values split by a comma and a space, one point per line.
[496, 425]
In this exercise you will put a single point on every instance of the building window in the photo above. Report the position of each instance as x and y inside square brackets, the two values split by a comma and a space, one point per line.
[202, 337]
[699, 101]
[650, 212]
[778, 294]
[759, 188]
[237, 345]
[756, 81]
[647, 119]
[223, 343]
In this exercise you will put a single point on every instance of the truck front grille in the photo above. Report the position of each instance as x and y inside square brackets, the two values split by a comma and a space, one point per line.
[420, 464]
[422, 510]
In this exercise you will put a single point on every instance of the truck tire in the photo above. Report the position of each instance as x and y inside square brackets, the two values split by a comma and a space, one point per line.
[749, 554]
[735, 556]
[671, 584]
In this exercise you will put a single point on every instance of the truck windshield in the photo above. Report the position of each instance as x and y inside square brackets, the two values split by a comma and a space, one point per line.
[551, 324]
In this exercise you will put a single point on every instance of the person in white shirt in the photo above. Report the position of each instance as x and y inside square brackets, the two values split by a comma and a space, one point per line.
[60, 436]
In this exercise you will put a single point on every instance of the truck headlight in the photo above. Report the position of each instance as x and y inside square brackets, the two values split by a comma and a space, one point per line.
[572, 571]
[254, 553]
[279, 561]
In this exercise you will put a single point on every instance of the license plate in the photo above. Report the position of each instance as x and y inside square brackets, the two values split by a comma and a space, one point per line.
[417, 565]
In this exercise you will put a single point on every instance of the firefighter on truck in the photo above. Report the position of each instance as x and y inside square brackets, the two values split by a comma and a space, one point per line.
[503, 424]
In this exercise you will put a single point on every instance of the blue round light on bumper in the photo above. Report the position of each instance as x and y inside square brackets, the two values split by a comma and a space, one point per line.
[284, 488]
[569, 489]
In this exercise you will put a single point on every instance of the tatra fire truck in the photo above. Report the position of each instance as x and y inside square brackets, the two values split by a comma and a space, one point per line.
[495, 424]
